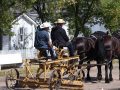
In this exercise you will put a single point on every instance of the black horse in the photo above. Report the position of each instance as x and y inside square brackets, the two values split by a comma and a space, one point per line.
[111, 51]
[96, 47]
[85, 49]
[116, 43]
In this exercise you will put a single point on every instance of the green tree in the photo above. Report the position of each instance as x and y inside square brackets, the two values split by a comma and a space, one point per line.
[49, 10]
[111, 14]
[8, 8]
[80, 13]
[77, 12]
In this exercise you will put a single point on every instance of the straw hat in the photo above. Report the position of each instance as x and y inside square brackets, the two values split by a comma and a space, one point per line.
[45, 25]
[60, 21]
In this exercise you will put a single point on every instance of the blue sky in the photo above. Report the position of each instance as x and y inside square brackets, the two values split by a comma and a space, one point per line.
[98, 27]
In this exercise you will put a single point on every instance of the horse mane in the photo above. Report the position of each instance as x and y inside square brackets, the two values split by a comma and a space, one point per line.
[100, 33]
[91, 42]
[116, 34]
[115, 43]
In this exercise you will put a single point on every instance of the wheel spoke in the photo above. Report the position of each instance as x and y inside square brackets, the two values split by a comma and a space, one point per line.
[55, 81]
[11, 78]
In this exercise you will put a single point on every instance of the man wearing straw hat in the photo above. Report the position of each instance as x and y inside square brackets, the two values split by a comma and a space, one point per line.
[60, 38]
[42, 41]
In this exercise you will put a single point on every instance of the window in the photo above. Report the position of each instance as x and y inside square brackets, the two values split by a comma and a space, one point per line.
[21, 34]
[21, 31]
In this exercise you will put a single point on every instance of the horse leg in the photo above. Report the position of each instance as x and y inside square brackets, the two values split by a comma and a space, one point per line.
[81, 58]
[99, 75]
[110, 74]
[108, 65]
[80, 63]
[88, 71]
[79, 67]
[106, 73]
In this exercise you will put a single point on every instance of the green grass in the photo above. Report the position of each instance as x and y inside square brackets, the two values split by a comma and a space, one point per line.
[22, 70]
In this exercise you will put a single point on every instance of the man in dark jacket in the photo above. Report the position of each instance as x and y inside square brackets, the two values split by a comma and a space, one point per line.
[42, 41]
[60, 38]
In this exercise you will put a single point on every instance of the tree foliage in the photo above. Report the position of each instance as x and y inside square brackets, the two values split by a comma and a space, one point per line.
[79, 13]
[111, 14]
[8, 9]
[49, 9]
[83, 12]
[74, 11]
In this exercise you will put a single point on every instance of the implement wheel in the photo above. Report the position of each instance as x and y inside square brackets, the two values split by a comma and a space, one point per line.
[55, 80]
[11, 79]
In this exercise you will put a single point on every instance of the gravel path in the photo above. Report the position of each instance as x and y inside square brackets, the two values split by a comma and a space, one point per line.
[101, 85]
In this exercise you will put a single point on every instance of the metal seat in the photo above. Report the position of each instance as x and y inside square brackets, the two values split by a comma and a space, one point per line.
[61, 52]
[43, 53]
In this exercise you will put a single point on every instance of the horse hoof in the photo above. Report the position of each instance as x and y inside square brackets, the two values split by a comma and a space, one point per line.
[88, 79]
[107, 81]
[100, 77]
[111, 79]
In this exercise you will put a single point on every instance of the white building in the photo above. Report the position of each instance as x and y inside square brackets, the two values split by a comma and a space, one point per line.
[24, 32]
[23, 28]
[22, 41]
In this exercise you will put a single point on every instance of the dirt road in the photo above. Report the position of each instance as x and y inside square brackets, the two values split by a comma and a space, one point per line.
[91, 85]
[101, 85]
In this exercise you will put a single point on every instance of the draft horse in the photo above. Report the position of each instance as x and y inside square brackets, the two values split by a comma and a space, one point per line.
[110, 50]
[116, 44]
[85, 47]
[98, 48]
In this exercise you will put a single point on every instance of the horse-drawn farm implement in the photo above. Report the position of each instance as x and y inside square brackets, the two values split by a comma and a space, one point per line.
[52, 74]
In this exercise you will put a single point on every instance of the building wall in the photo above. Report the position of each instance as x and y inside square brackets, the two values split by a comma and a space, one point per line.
[29, 31]
[5, 43]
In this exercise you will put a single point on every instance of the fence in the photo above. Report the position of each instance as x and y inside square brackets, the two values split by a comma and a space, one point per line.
[25, 53]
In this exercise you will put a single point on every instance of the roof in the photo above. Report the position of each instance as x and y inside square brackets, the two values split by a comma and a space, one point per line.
[26, 17]
[32, 14]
